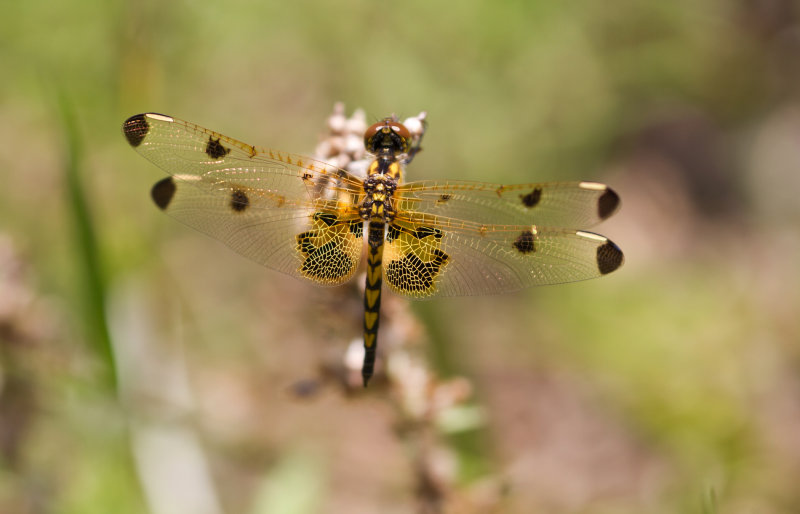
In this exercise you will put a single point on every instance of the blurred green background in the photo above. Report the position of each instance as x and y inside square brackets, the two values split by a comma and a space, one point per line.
[147, 368]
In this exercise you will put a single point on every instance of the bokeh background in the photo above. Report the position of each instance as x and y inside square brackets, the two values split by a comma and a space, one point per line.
[145, 368]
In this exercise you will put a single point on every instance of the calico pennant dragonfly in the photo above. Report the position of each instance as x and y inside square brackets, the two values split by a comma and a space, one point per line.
[426, 239]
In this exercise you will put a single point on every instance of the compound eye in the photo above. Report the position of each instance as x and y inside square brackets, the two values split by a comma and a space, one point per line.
[400, 130]
[389, 135]
[373, 129]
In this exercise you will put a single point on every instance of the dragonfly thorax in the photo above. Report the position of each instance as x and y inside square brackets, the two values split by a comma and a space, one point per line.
[378, 204]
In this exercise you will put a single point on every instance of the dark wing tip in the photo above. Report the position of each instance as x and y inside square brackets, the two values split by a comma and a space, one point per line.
[162, 192]
[135, 129]
[607, 204]
[609, 257]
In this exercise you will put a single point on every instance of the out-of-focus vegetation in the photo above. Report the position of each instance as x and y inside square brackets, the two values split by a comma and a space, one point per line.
[147, 368]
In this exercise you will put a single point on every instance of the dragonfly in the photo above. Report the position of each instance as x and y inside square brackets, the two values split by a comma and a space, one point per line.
[425, 239]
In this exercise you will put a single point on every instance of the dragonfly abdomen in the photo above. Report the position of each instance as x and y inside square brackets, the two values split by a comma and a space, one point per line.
[372, 297]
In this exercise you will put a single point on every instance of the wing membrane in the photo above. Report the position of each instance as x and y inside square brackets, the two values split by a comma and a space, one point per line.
[185, 149]
[301, 217]
[555, 204]
[294, 215]
[447, 257]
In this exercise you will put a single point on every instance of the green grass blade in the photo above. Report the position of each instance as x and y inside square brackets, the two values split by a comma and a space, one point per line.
[92, 283]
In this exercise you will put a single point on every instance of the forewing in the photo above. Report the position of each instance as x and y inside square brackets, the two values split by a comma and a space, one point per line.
[290, 214]
[430, 257]
[187, 150]
[554, 204]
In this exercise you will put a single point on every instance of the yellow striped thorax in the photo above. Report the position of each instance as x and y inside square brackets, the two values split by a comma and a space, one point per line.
[389, 141]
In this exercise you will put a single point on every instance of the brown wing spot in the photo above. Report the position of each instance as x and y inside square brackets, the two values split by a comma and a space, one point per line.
[239, 200]
[443, 199]
[135, 129]
[607, 204]
[326, 217]
[532, 199]
[252, 151]
[482, 231]
[411, 275]
[525, 243]
[356, 228]
[500, 191]
[162, 192]
[609, 258]
[306, 177]
[427, 231]
[215, 150]
[305, 245]
[393, 233]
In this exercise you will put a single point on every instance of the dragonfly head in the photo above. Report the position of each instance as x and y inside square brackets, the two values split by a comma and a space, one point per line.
[387, 137]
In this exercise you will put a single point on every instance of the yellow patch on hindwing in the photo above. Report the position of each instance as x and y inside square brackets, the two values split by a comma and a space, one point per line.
[414, 259]
[328, 250]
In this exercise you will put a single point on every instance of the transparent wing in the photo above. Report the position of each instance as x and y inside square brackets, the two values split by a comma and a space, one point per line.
[555, 204]
[191, 152]
[427, 257]
[291, 214]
